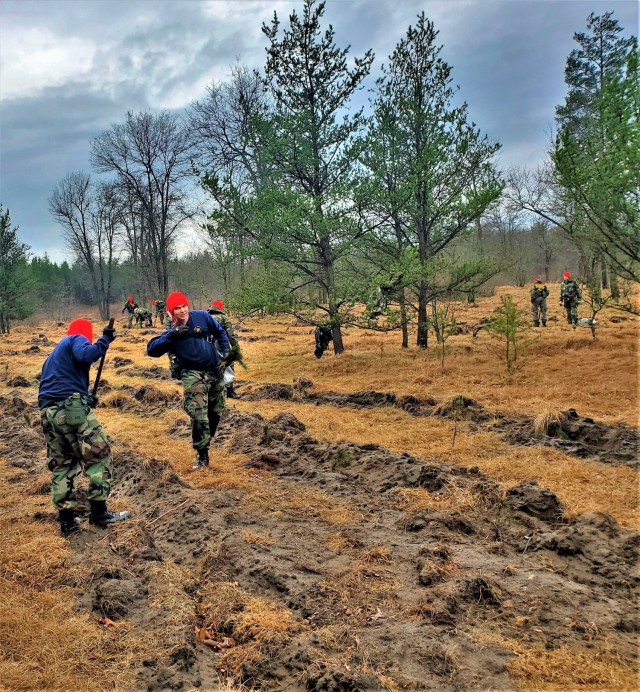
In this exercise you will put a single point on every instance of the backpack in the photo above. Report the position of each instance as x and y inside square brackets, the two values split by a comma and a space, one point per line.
[539, 291]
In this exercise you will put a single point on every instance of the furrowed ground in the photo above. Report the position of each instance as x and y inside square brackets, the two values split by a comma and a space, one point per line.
[370, 521]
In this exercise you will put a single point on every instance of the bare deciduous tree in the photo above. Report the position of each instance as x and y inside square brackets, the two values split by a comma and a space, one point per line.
[149, 154]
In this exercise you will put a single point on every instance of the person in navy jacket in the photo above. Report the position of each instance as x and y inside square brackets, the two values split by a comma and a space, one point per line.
[200, 346]
[75, 439]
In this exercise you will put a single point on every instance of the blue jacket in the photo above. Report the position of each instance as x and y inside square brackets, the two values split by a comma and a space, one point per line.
[197, 350]
[66, 370]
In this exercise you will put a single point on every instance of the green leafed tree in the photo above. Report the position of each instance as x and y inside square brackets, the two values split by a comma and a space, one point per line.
[305, 215]
[436, 170]
[596, 156]
[16, 299]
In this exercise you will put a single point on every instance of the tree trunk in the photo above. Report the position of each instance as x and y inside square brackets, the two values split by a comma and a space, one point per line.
[403, 319]
[423, 324]
[603, 271]
[615, 286]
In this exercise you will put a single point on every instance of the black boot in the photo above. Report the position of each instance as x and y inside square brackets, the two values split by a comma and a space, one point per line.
[101, 517]
[232, 394]
[69, 522]
[202, 459]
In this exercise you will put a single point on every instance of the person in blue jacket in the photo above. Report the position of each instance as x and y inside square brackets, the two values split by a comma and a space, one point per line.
[200, 346]
[75, 439]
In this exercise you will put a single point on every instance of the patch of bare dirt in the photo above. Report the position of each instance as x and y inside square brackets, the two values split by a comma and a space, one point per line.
[571, 433]
[392, 591]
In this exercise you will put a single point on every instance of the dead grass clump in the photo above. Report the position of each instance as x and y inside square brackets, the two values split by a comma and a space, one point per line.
[305, 504]
[254, 627]
[451, 497]
[378, 554]
[566, 669]
[116, 399]
[255, 538]
[169, 588]
[547, 420]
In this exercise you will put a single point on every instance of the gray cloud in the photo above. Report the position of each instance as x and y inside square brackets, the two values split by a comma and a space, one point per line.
[72, 68]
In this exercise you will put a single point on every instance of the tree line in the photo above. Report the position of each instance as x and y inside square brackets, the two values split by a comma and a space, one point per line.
[312, 204]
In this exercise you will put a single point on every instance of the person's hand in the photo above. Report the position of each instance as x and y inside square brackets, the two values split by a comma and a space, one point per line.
[178, 332]
[110, 333]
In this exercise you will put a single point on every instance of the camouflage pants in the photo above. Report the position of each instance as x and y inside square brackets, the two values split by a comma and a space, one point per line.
[571, 308]
[539, 312]
[71, 450]
[204, 397]
[130, 316]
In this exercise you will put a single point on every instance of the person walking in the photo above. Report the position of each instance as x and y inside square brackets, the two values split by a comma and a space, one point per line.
[130, 306]
[570, 297]
[75, 439]
[191, 340]
[539, 293]
[216, 310]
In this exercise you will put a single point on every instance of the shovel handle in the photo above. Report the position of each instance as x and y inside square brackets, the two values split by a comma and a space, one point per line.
[99, 374]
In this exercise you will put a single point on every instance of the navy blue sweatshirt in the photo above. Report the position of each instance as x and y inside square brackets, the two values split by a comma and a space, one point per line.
[66, 370]
[194, 351]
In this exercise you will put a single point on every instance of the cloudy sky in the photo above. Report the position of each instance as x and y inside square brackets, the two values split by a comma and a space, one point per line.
[69, 69]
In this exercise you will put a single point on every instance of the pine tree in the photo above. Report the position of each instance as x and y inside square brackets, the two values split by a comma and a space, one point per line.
[16, 300]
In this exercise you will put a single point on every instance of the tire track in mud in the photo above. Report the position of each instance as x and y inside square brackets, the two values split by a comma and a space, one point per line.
[396, 592]
[567, 431]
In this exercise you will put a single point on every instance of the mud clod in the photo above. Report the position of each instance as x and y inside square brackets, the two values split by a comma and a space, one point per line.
[530, 498]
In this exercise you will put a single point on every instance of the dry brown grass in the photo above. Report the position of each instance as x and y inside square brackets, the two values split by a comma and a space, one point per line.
[581, 485]
[565, 369]
[256, 625]
[39, 624]
[544, 421]
[565, 668]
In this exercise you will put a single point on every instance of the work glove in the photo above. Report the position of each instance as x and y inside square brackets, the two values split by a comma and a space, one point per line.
[110, 333]
[178, 332]
[92, 401]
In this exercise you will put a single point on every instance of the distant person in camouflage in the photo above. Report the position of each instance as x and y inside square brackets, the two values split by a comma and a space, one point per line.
[216, 310]
[191, 340]
[144, 317]
[570, 297]
[130, 306]
[160, 309]
[75, 439]
[539, 293]
[379, 300]
[324, 336]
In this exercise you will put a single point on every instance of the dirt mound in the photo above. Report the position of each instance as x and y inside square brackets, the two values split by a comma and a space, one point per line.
[19, 381]
[535, 501]
[340, 567]
[121, 362]
[155, 372]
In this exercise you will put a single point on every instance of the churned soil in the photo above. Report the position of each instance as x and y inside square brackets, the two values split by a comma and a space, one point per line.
[568, 431]
[378, 570]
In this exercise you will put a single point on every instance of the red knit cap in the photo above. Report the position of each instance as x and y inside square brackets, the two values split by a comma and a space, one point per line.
[153, 302]
[567, 275]
[535, 281]
[82, 327]
[130, 299]
[174, 299]
[217, 304]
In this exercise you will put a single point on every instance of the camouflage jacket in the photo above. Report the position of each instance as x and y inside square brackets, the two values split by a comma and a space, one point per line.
[569, 290]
